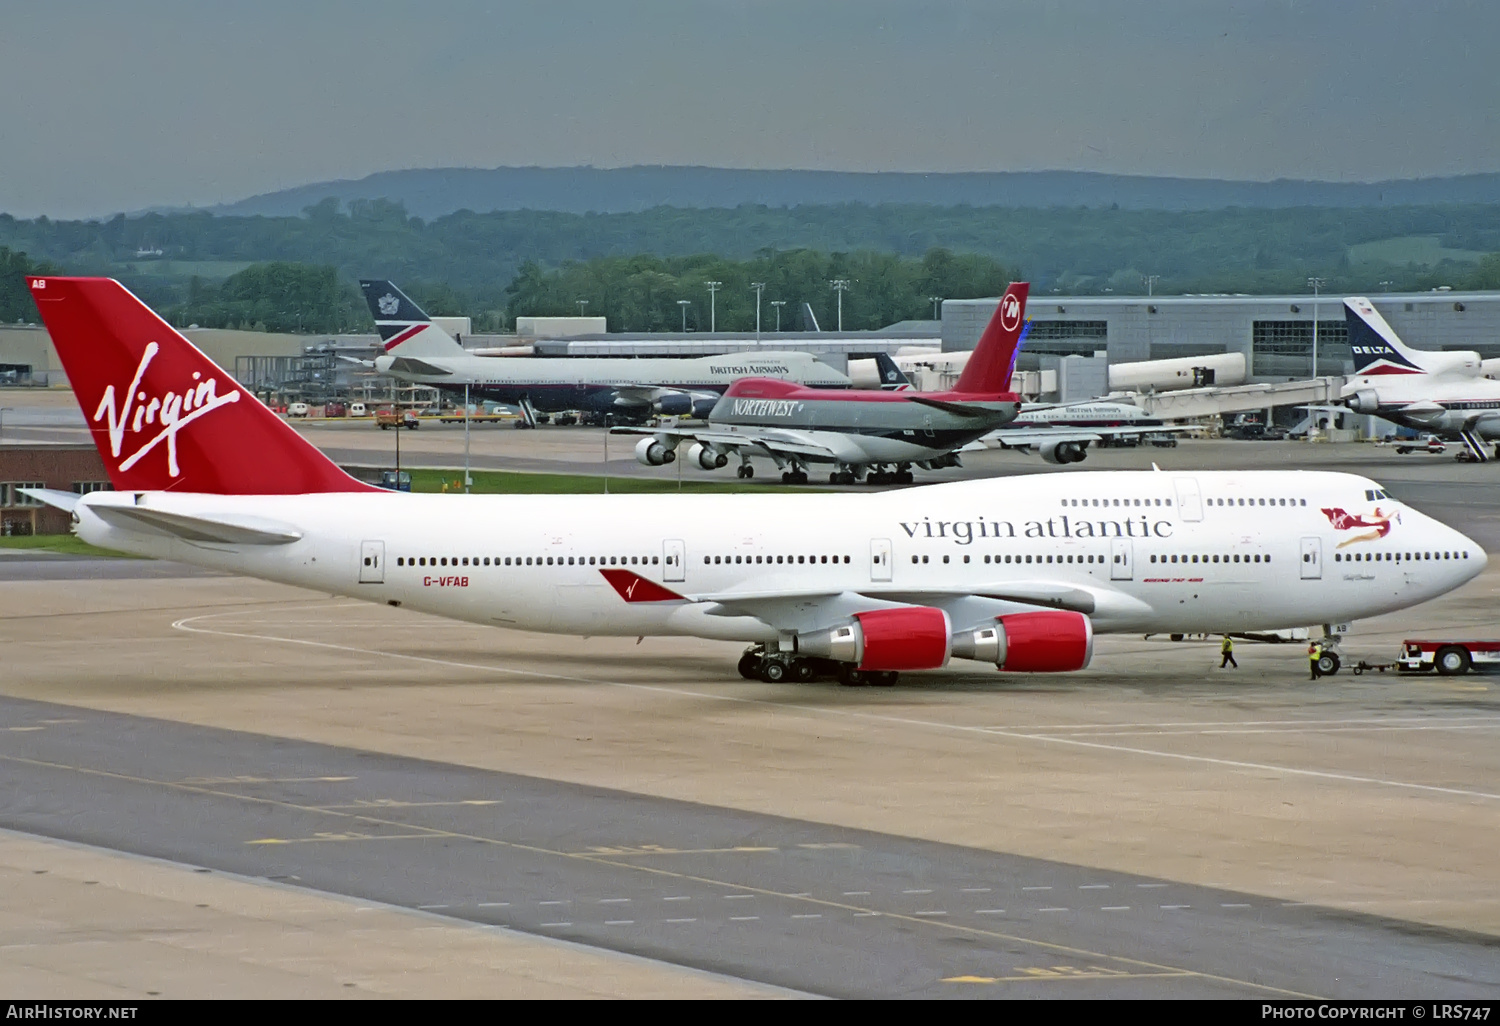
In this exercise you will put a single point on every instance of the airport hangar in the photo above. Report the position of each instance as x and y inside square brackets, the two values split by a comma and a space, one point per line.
[1275, 333]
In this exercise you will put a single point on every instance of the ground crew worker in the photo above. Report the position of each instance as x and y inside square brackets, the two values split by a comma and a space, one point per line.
[1227, 651]
[1314, 653]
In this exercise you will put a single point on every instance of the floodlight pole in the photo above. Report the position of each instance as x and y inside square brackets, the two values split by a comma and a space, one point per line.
[581, 304]
[467, 479]
[840, 286]
[778, 304]
[759, 287]
[1316, 284]
[713, 287]
[1150, 281]
[936, 315]
[684, 303]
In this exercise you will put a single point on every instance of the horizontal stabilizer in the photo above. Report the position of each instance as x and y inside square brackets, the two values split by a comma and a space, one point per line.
[227, 531]
[411, 365]
[53, 497]
[974, 412]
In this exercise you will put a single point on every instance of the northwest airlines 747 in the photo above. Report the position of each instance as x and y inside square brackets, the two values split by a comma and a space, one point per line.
[1020, 573]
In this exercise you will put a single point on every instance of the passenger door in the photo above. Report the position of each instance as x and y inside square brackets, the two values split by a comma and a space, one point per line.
[674, 560]
[372, 562]
[1189, 499]
[1312, 559]
[1119, 559]
[880, 559]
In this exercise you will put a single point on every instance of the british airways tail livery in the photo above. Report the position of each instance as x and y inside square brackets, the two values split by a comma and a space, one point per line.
[404, 329]
[1018, 573]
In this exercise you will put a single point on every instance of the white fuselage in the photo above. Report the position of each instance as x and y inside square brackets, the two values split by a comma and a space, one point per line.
[1151, 552]
[1445, 403]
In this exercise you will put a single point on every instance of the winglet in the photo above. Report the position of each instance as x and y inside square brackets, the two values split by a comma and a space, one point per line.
[635, 588]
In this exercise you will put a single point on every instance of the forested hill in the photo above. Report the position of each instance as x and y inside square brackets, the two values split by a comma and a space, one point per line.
[435, 192]
[1067, 249]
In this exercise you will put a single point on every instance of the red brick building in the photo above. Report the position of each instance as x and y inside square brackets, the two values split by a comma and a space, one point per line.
[67, 468]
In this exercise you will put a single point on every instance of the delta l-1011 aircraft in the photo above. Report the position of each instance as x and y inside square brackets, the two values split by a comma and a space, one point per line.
[878, 435]
[1445, 393]
[1018, 573]
[421, 352]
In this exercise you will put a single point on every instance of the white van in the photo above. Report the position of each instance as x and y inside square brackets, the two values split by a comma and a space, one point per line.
[297, 410]
[357, 410]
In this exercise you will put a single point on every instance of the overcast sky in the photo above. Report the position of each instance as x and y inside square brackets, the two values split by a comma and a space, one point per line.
[109, 106]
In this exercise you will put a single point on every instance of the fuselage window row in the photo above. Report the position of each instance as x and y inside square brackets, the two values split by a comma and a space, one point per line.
[717, 560]
[1253, 558]
[1387, 557]
[530, 561]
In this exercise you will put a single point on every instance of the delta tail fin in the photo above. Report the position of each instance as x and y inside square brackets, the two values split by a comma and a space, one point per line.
[989, 368]
[1376, 347]
[164, 415]
[404, 329]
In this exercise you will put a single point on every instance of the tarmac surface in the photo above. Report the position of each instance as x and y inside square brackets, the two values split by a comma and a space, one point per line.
[219, 786]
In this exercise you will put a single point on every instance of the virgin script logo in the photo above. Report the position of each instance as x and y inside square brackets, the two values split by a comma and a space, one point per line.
[169, 414]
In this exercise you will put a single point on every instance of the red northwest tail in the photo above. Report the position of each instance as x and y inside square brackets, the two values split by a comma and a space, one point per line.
[164, 415]
[988, 369]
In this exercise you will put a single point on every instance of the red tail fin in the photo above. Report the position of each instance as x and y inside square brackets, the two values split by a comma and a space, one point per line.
[988, 369]
[164, 415]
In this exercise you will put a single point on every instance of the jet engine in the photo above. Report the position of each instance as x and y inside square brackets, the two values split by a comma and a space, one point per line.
[1063, 452]
[904, 638]
[1366, 400]
[652, 453]
[674, 404]
[703, 405]
[705, 457]
[1042, 642]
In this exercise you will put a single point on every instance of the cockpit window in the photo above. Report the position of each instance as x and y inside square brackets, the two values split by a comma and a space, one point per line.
[1376, 493]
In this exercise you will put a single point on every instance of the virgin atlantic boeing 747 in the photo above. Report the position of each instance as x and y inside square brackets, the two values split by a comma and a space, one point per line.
[1019, 572]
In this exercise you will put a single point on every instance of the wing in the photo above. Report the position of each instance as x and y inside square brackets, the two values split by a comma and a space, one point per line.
[771, 442]
[801, 609]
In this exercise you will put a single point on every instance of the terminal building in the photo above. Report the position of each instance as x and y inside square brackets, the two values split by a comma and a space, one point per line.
[1275, 333]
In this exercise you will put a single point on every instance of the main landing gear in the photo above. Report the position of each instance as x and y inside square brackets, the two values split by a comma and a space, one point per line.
[878, 475]
[796, 475]
[774, 668]
[744, 471]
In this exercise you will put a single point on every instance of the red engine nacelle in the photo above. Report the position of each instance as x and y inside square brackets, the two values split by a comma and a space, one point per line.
[905, 638]
[1049, 642]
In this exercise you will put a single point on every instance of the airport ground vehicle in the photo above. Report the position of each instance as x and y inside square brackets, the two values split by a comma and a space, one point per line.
[1434, 445]
[1449, 657]
[1018, 573]
[358, 410]
[335, 410]
[389, 418]
[395, 480]
[297, 410]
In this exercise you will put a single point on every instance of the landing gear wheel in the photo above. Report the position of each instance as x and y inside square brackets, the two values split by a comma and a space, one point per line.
[749, 665]
[749, 471]
[852, 676]
[739, 472]
[1328, 664]
[803, 671]
[1451, 661]
[773, 671]
[903, 477]
[884, 678]
[876, 477]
